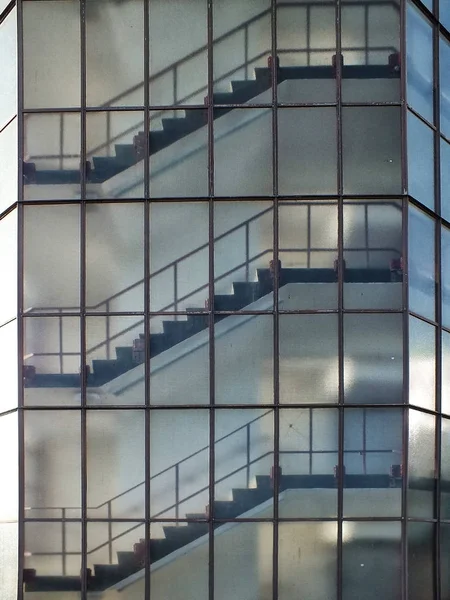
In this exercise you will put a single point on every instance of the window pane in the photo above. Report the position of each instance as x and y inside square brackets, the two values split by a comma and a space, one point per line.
[370, 39]
[9, 472]
[307, 252]
[238, 173]
[373, 451]
[8, 366]
[52, 168]
[178, 56]
[52, 463]
[51, 48]
[373, 360]
[114, 53]
[242, 255]
[51, 270]
[8, 82]
[420, 161]
[242, 46]
[421, 466]
[243, 453]
[115, 464]
[421, 263]
[238, 547]
[308, 457]
[445, 560]
[308, 359]
[444, 66]
[178, 154]
[307, 159]
[244, 341]
[419, 63]
[371, 150]
[445, 469]
[445, 180]
[444, 14]
[115, 257]
[372, 254]
[306, 37]
[307, 560]
[8, 172]
[422, 363]
[372, 561]
[445, 373]
[8, 266]
[179, 463]
[52, 360]
[420, 561]
[445, 275]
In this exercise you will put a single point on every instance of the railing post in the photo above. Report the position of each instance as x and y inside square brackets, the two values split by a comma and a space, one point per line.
[110, 535]
[175, 288]
[247, 251]
[247, 429]
[64, 542]
[177, 492]
[108, 331]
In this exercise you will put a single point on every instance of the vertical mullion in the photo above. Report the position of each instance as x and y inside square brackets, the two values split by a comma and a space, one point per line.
[20, 327]
[147, 308]
[340, 270]
[276, 276]
[83, 372]
[210, 120]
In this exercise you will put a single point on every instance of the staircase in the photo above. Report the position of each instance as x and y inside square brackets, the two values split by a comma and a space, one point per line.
[102, 168]
[174, 332]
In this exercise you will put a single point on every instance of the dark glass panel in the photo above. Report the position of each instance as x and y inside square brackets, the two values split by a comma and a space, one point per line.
[372, 254]
[307, 560]
[115, 447]
[239, 173]
[373, 456]
[421, 464]
[244, 341]
[444, 66]
[307, 252]
[308, 359]
[115, 257]
[422, 363]
[307, 161]
[243, 562]
[243, 242]
[178, 53]
[421, 233]
[243, 453]
[373, 358]
[178, 153]
[52, 167]
[115, 53]
[419, 62]
[179, 462]
[371, 150]
[114, 153]
[308, 457]
[420, 161]
[52, 463]
[420, 561]
[372, 561]
[51, 53]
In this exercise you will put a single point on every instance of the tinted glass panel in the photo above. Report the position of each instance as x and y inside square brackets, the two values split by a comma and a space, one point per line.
[444, 66]
[445, 469]
[8, 267]
[8, 83]
[8, 172]
[445, 275]
[420, 161]
[8, 366]
[421, 263]
[445, 372]
[420, 561]
[422, 363]
[421, 459]
[445, 179]
[419, 63]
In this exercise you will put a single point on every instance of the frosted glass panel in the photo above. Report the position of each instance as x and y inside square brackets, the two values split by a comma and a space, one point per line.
[8, 266]
[8, 161]
[9, 468]
[8, 81]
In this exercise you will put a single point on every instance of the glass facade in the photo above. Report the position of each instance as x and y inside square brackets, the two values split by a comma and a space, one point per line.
[225, 311]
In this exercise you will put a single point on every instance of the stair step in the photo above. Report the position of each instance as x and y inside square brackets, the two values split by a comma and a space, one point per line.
[125, 355]
[247, 291]
[158, 140]
[54, 583]
[228, 302]
[198, 117]
[161, 547]
[225, 509]
[247, 498]
[128, 560]
[185, 534]
[125, 154]
[180, 127]
[106, 370]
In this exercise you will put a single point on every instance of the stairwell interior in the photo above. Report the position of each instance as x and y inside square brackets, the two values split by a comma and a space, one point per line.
[246, 280]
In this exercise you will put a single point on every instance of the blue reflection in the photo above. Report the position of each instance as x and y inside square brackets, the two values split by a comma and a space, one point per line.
[420, 161]
[419, 63]
[444, 13]
[445, 180]
[444, 65]
[421, 264]
[445, 274]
